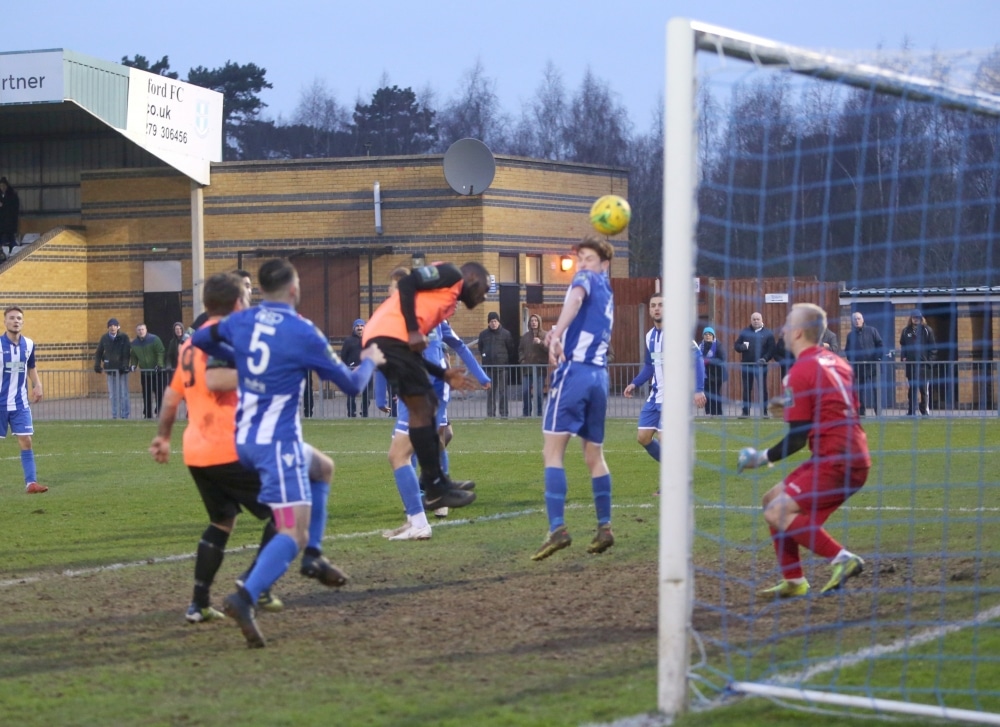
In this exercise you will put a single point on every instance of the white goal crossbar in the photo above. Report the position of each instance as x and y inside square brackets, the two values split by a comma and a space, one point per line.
[676, 588]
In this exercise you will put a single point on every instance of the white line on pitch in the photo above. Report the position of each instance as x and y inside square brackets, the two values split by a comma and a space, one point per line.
[452, 522]
[873, 652]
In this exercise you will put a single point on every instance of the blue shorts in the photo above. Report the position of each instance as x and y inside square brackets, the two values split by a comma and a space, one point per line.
[649, 417]
[578, 401]
[283, 468]
[18, 422]
[403, 414]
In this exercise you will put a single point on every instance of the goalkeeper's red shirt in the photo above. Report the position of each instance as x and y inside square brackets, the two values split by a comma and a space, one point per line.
[819, 388]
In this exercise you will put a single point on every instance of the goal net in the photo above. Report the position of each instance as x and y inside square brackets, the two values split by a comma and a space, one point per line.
[865, 186]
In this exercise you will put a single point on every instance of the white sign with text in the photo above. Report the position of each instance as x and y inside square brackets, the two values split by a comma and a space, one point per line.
[31, 77]
[172, 118]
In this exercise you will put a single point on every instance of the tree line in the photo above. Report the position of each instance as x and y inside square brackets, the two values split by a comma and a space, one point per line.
[797, 179]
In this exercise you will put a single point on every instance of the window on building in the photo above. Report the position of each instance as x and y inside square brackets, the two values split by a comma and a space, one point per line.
[533, 269]
[508, 269]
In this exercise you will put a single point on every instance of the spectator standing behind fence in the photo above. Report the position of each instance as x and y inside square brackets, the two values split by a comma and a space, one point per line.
[864, 348]
[18, 369]
[534, 357]
[830, 342]
[755, 345]
[917, 349]
[782, 356]
[112, 357]
[350, 354]
[147, 356]
[174, 347]
[496, 346]
[10, 209]
[715, 371]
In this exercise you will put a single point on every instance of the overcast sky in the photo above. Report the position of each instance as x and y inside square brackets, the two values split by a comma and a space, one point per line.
[352, 46]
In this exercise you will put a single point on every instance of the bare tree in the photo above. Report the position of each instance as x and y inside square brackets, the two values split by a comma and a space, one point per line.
[319, 111]
[597, 128]
[645, 184]
[475, 112]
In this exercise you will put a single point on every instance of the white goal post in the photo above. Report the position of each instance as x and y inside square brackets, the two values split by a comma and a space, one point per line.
[684, 39]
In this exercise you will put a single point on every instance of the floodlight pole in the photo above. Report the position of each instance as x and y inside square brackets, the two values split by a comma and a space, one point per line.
[676, 425]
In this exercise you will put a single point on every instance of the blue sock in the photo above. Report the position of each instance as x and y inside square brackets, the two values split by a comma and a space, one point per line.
[28, 465]
[409, 489]
[272, 562]
[317, 518]
[602, 498]
[555, 496]
[444, 460]
[653, 448]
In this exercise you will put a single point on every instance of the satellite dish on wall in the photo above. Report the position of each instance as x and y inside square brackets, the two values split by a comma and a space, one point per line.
[469, 166]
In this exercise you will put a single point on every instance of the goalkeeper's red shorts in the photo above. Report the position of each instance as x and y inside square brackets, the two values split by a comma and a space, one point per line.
[823, 486]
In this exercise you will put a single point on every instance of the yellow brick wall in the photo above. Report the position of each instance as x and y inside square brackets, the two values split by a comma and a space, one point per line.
[72, 283]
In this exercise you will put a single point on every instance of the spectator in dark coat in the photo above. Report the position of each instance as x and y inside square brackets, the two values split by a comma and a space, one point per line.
[533, 357]
[782, 356]
[831, 342]
[350, 353]
[917, 349]
[864, 349]
[10, 209]
[715, 371]
[755, 345]
[497, 349]
[114, 351]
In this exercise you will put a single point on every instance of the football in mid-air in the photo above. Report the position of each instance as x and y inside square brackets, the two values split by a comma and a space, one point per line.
[610, 214]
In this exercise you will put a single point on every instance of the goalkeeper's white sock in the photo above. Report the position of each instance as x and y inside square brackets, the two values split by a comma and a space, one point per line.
[842, 556]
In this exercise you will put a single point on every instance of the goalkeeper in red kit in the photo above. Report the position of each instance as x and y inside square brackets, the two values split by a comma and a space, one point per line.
[821, 409]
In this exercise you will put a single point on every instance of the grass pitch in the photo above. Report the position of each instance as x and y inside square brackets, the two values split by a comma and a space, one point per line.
[464, 629]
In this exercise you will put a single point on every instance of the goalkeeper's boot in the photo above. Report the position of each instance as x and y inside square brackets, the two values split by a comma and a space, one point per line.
[441, 512]
[556, 540]
[849, 568]
[196, 615]
[603, 540]
[238, 607]
[467, 485]
[787, 589]
[322, 570]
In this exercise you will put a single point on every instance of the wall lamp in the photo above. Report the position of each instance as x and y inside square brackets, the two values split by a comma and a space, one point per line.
[566, 263]
[417, 260]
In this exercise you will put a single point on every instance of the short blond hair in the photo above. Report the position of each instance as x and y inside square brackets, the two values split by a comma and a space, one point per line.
[811, 319]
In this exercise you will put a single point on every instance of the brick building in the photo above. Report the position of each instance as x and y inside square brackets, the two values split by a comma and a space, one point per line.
[123, 229]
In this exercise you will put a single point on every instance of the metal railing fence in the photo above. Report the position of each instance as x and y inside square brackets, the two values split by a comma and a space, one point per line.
[953, 388]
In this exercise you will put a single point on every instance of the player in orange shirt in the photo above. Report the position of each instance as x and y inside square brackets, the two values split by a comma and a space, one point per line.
[422, 300]
[225, 485]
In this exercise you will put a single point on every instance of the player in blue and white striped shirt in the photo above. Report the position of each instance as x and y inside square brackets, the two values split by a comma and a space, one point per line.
[401, 456]
[649, 416]
[15, 411]
[274, 351]
[578, 395]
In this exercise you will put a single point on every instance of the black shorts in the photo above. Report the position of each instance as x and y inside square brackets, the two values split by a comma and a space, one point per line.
[404, 368]
[227, 490]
